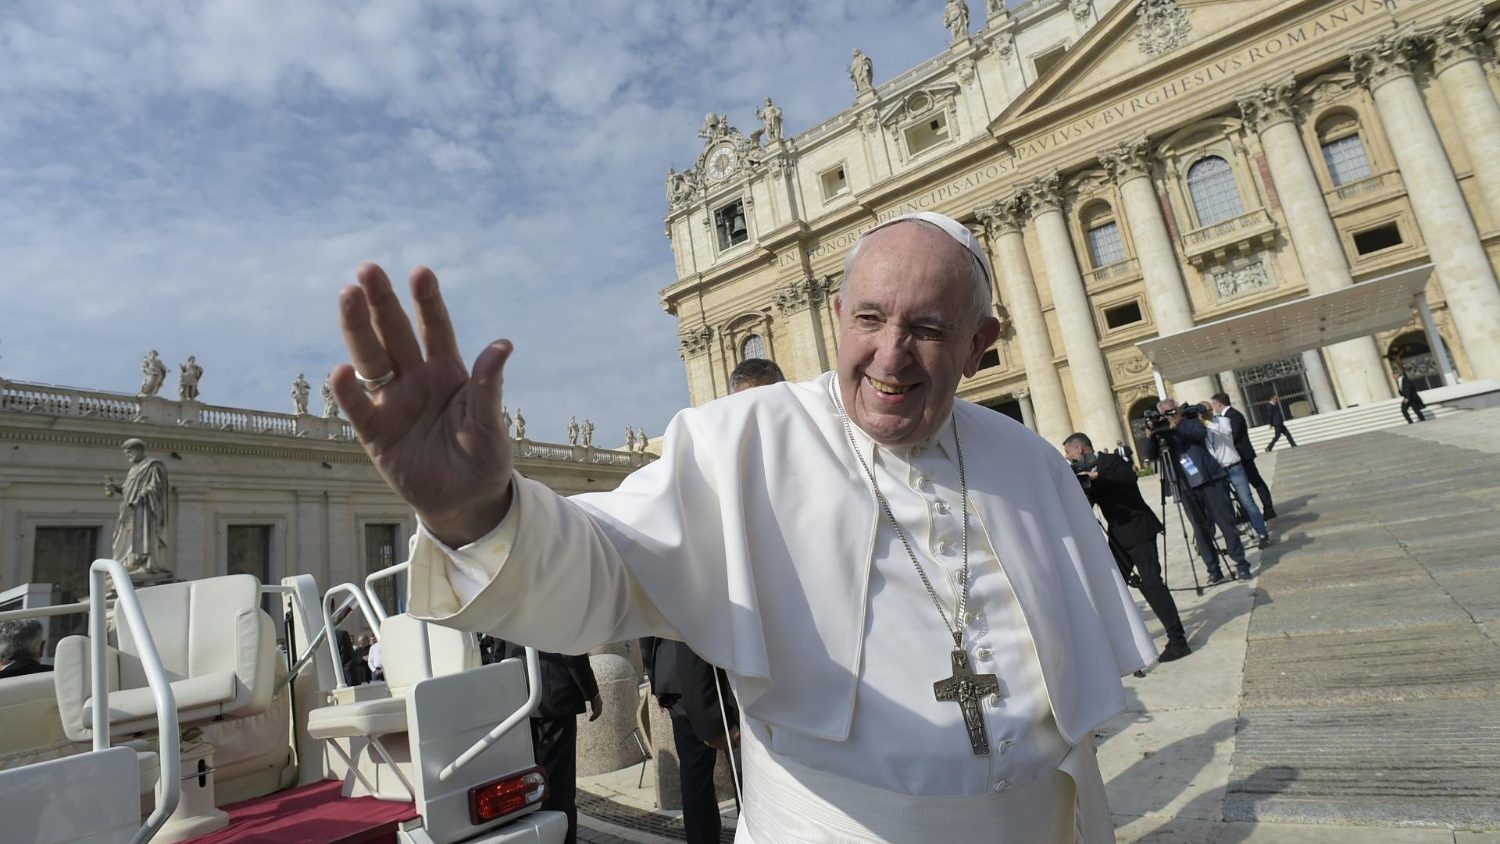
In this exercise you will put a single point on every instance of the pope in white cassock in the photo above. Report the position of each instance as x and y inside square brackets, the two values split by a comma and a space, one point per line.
[915, 606]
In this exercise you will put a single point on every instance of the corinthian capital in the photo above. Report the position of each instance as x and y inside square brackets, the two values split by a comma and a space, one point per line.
[798, 295]
[1042, 194]
[1458, 39]
[1269, 104]
[1392, 57]
[1129, 160]
[1002, 215]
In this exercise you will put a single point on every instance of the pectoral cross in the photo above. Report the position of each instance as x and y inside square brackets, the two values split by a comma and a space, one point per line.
[967, 689]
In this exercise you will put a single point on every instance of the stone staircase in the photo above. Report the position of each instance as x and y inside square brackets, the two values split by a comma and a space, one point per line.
[1441, 402]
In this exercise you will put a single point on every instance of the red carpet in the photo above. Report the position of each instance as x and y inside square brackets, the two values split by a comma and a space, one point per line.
[313, 814]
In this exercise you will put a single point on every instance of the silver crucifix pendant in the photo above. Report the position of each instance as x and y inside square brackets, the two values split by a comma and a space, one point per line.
[967, 689]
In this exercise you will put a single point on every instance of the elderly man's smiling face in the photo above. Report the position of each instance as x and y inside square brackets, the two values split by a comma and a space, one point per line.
[908, 332]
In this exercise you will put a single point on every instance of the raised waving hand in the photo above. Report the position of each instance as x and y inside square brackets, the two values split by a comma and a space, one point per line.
[430, 425]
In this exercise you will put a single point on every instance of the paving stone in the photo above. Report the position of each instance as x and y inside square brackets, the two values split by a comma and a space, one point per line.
[1336, 571]
[1369, 666]
[1478, 592]
[1426, 763]
[1367, 606]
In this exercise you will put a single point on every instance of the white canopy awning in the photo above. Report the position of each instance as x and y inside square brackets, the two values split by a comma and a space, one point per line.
[1283, 330]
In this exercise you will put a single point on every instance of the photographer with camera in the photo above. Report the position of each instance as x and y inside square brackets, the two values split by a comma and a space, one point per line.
[1179, 441]
[1111, 485]
[1221, 445]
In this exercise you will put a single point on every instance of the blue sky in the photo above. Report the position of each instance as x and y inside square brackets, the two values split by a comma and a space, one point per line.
[202, 178]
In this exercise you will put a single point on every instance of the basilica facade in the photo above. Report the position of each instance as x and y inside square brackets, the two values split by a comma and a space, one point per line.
[1135, 168]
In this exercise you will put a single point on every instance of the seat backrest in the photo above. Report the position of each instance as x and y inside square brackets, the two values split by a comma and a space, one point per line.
[193, 625]
[452, 650]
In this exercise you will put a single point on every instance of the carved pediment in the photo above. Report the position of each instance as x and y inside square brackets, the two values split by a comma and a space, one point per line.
[929, 99]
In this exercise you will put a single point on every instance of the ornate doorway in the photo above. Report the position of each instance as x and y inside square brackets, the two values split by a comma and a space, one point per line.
[1285, 378]
[1411, 352]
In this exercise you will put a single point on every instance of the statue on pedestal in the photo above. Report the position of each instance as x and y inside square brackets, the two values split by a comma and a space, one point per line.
[330, 405]
[187, 380]
[505, 420]
[140, 540]
[588, 433]
[770, 115]
[300, 392]
[956, 18]
[573, 430]
[862, 71]
[520, 425]
[629, 438]
[153, 373]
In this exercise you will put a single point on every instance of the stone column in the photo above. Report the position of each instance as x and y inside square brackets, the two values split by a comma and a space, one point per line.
[1028, 414]
[345, 562]
[1456, 61]
[1096, 399]
[798, 303]
[1129, 164]
[1269, 111]
[1003, 220]
[193, 554]
[1463, 267]
[697, 358]
[1324, 398]
[1435, 342]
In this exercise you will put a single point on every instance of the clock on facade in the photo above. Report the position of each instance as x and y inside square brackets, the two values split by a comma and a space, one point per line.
[722, 162]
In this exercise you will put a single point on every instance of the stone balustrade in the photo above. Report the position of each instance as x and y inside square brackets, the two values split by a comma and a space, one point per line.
[1243, 233]
[1031, 7]
[1367, 187]
[1112, 272]
[49, 400]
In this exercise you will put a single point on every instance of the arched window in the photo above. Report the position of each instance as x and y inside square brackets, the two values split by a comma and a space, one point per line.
[1216, 198]
[1344, 150]
[1102, 235]
[753, 346]
[1412, 355]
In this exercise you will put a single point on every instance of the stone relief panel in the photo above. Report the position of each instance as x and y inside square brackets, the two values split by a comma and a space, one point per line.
[1232, 282]
[1162, 26]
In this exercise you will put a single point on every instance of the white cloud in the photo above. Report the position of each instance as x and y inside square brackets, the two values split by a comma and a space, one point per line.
[202, 177]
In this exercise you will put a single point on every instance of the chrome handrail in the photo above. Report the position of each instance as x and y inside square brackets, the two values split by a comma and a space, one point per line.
[533, 699]
[388, 571]
[128, 613]
[329, 624]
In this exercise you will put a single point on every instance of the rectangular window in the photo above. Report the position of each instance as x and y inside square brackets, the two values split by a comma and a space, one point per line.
[1122, 315]
[835, 183]
[729, 223]
[249, 552]
[1043, 62]
[1378, 238]
[1105, 245]
[1346, 160]
[927, 134]
[990, 359]
[380, 553]
[61, 557]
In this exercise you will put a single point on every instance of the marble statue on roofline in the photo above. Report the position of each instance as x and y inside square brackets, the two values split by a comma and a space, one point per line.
[862, 71]
[588, 433]
[956, 18]
[301, 390]
[573, 430]
[770, 115]
[330, 405]
[187, 380]
[505, 420]
[140, 540]
[520, 425]
[153, 374]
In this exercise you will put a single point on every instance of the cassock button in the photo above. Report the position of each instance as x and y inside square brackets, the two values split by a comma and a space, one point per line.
[1001, 786]
[1004, 745]
[942, 507]
[923, 481]
[983, 653]
[942, 547]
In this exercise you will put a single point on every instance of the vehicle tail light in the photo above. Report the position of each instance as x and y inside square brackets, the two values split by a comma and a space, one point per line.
[507, 795]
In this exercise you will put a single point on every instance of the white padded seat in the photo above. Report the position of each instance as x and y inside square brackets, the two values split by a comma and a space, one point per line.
[214, 642]
[401, 652]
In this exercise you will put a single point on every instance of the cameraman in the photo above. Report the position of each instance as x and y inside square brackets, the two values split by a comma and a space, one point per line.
[1112, 485]
[1208, 499]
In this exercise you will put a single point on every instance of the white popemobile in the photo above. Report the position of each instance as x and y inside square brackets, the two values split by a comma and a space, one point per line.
[196, 709]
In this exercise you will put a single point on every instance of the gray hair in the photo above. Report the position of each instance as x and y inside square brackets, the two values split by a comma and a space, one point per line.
[19, 639]
[983, 294]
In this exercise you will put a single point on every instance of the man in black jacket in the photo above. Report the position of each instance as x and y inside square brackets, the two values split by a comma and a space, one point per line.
[1113, 487]
[1208, 503]
[692, 690]
[1411, 400]
[21, 646]
[1246, 450]
[1276, 417]
[567, 684]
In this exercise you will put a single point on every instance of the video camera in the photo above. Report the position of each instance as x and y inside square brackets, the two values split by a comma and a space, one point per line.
[1156, 421]
[1082, 466]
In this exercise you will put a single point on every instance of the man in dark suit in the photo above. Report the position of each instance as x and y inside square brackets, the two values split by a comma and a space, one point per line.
[567, 684]
[21, 646]
[1276, 418]
[692, 691]
[1411, 400]
[1113, 487]
[1246, 451]
[1207, 502]
[1125, 451]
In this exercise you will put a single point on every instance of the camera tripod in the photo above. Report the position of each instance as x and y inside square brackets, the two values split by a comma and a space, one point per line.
[1170, 472]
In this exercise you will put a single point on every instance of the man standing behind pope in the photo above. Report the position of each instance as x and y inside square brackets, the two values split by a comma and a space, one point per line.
[913, 602]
